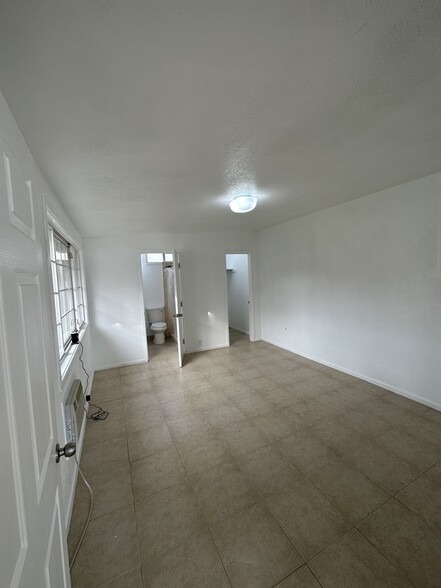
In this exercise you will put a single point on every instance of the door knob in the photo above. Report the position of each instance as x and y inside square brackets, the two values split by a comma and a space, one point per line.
[68, 451]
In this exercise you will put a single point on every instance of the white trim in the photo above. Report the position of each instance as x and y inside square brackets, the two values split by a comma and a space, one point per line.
[206, 348]
[239, 330]
[399, 391]
[252, 298]
[70, 354]
[115, 365]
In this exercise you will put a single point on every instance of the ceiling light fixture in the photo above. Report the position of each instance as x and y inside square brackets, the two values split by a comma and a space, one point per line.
[244, 203]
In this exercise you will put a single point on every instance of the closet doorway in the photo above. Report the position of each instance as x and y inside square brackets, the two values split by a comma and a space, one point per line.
[161, 293]
[240, 325]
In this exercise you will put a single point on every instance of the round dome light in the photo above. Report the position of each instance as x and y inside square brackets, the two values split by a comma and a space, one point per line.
[244, 203]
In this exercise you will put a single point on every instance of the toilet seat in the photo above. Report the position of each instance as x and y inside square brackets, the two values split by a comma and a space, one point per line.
[158, 326]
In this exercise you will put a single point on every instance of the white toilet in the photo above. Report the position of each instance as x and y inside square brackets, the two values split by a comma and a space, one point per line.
[158, 327]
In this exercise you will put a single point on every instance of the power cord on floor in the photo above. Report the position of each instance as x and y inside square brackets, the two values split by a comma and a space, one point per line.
[100, 414]
[74, 557]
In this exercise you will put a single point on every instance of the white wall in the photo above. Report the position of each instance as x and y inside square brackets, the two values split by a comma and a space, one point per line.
[115, 291]
[238, 292]
[358, 286]
[152, 283]
[43, 200]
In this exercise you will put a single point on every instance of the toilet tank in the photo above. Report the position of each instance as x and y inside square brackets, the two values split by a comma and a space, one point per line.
[155, 314]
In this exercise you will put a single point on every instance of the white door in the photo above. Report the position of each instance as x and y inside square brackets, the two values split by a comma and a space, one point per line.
[33, 550]
[178, 308]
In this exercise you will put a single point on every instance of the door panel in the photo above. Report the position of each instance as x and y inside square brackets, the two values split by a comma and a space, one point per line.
[32, 540]
[14, 542]
[178, 308]
[37, 381]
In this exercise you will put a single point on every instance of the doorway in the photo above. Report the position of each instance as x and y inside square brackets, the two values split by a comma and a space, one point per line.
[161, 298]
[238, 296]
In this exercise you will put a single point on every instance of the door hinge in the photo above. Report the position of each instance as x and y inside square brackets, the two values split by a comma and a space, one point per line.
[179, 265]
[183, 341]
[181, 303]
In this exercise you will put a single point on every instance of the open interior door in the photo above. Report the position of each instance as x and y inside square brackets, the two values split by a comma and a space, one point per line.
[178, 308]
[33, 548]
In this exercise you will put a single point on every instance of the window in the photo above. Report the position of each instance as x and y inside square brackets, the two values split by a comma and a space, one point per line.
[67, 288]
[159, 257]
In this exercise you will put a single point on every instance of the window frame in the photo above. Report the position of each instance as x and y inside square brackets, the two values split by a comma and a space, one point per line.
[73, 294]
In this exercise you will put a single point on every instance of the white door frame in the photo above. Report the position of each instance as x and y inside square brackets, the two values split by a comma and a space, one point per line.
[251, 309]
[144, 251]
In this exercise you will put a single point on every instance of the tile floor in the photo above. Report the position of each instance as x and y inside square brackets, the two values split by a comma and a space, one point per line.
[252, 466]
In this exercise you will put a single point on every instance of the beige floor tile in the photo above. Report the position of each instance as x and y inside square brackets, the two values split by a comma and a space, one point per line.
[416, 408]
[336, 435]
[132, 579]
[353, 494]
[380, 466]
[305, 452]
[194, 563]
[268, 469]
[156, 472]
[112, 489]
[133, 370]
[149, 441]
[203, 452]
[274, 426]
[433, 415]
[423, 496]
[113, 426]
[254, 549]
[138, 419]
[175, 409]
[167, 518]
[190, 426]
[254, 404]
[136, 387]
[224, 414]
[170, 393]
[418, 452]
[435, 473]
[105, 390]
[309, 519]
[109, 548]
[102, 457]
[365, 424]
[103, 375]
[295, 410]
[378, 407]
[140, 402]
[352, 562]
[223, 491]
[425, 430]
[406, 541]
[301, 578]
[243, 437]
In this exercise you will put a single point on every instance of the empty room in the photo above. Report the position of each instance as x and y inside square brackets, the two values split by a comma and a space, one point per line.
[220, 294]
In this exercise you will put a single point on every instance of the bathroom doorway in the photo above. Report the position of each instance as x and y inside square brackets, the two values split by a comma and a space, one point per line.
[161, 298]
[238, 297]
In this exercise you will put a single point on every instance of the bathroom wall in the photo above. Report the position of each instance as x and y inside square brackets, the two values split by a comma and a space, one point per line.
[358, 287]
[238, 292]
[152, 283]
[115, 290]
[152, 286]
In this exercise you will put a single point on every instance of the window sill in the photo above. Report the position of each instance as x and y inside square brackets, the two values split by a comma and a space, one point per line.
[67, 360]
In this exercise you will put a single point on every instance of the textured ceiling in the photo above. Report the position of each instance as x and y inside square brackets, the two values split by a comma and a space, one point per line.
[151, 114]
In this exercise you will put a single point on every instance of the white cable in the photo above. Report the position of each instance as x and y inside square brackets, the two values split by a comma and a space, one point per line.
[88, 516]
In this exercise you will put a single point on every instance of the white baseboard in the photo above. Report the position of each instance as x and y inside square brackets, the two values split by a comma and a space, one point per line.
[391, 388]
[115, 365]
[240, 330]
[206, 348]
